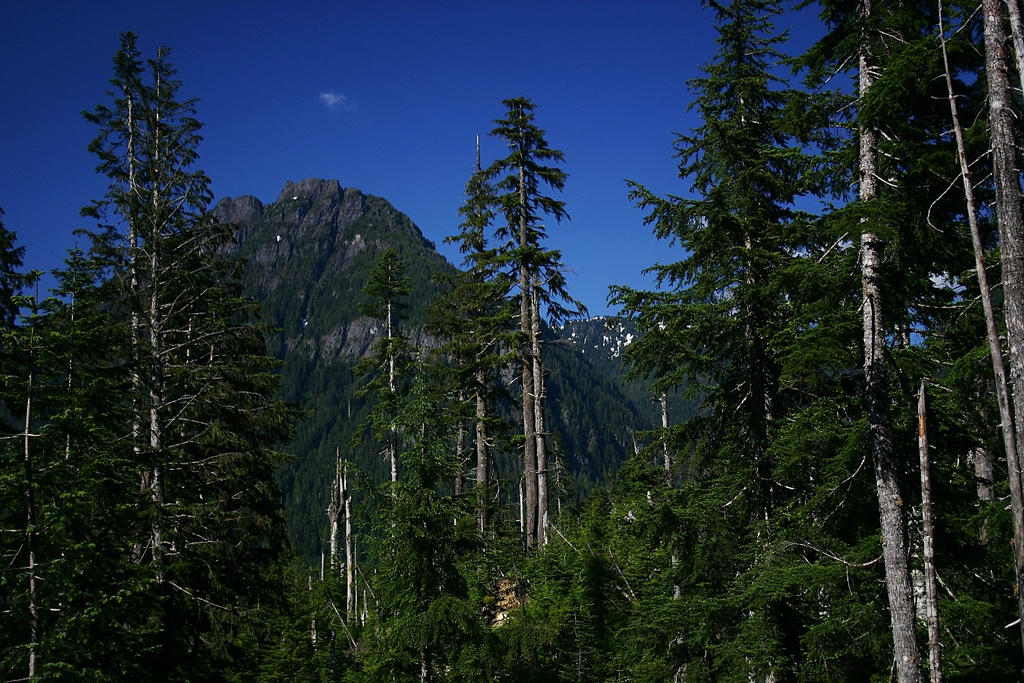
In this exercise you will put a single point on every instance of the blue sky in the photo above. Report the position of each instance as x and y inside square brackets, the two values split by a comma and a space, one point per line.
[384, 96]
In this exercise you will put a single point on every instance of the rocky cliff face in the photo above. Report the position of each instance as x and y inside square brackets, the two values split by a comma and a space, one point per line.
[239, 210]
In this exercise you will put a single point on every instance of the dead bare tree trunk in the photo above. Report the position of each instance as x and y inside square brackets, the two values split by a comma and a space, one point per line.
[932, 600]
[663, 399]
[522, 509]
[355, 587]
[334, 510]
[460, 447]
[425, 666]
[312, 618]
[393, 388]
[350, 547]
[890, 502]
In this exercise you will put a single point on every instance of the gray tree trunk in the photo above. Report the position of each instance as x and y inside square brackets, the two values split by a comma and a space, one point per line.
[133, 280]
[984, 474]
[482, 475]
[890, 502]
[156, 481]
[522, 510]
[30, 523]
[460, 447]
[1006, 410]
[392, 387]
[155, 330]
[145, 477]
[538, 414]
[529, 418]
[425, 666]
[1011, 234]
[663, 399]
[928, 524]
[312, 618]
[350, 547]
[334, 511]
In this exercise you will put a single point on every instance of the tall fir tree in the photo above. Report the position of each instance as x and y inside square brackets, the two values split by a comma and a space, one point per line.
[519, 179]
[204, 420]
[11, 279]
[17, 643]
[719, 327]
[894, 148]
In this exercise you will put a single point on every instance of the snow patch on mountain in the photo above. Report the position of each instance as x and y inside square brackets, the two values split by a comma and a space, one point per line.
[602, 336]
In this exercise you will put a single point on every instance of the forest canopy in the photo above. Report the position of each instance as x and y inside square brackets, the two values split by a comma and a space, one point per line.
[829, 487]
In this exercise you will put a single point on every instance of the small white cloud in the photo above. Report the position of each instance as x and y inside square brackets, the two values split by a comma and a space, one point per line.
[333, 100]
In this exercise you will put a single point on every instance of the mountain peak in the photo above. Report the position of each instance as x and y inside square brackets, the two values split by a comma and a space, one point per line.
[314, 188]
[243, 210]
[310, 253]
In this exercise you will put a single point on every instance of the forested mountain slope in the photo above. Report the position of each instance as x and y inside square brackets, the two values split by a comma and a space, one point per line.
[602, 341]
[309, 255]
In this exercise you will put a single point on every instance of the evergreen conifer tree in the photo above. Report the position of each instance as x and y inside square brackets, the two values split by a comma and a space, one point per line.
[10, 279]
[519, 179]
[716, 328]
[203, 419]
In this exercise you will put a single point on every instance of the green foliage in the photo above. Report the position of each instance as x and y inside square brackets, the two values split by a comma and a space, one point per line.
[384, 369]
[201, 384]
[423, 616]
[140, 524]
[140, 425]
[472, 321]
[10, 279]
[774, 501]
[386, 287]
[89, 596]
[521, 174]
[293, 653]
[716, 329]
[519, 179]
